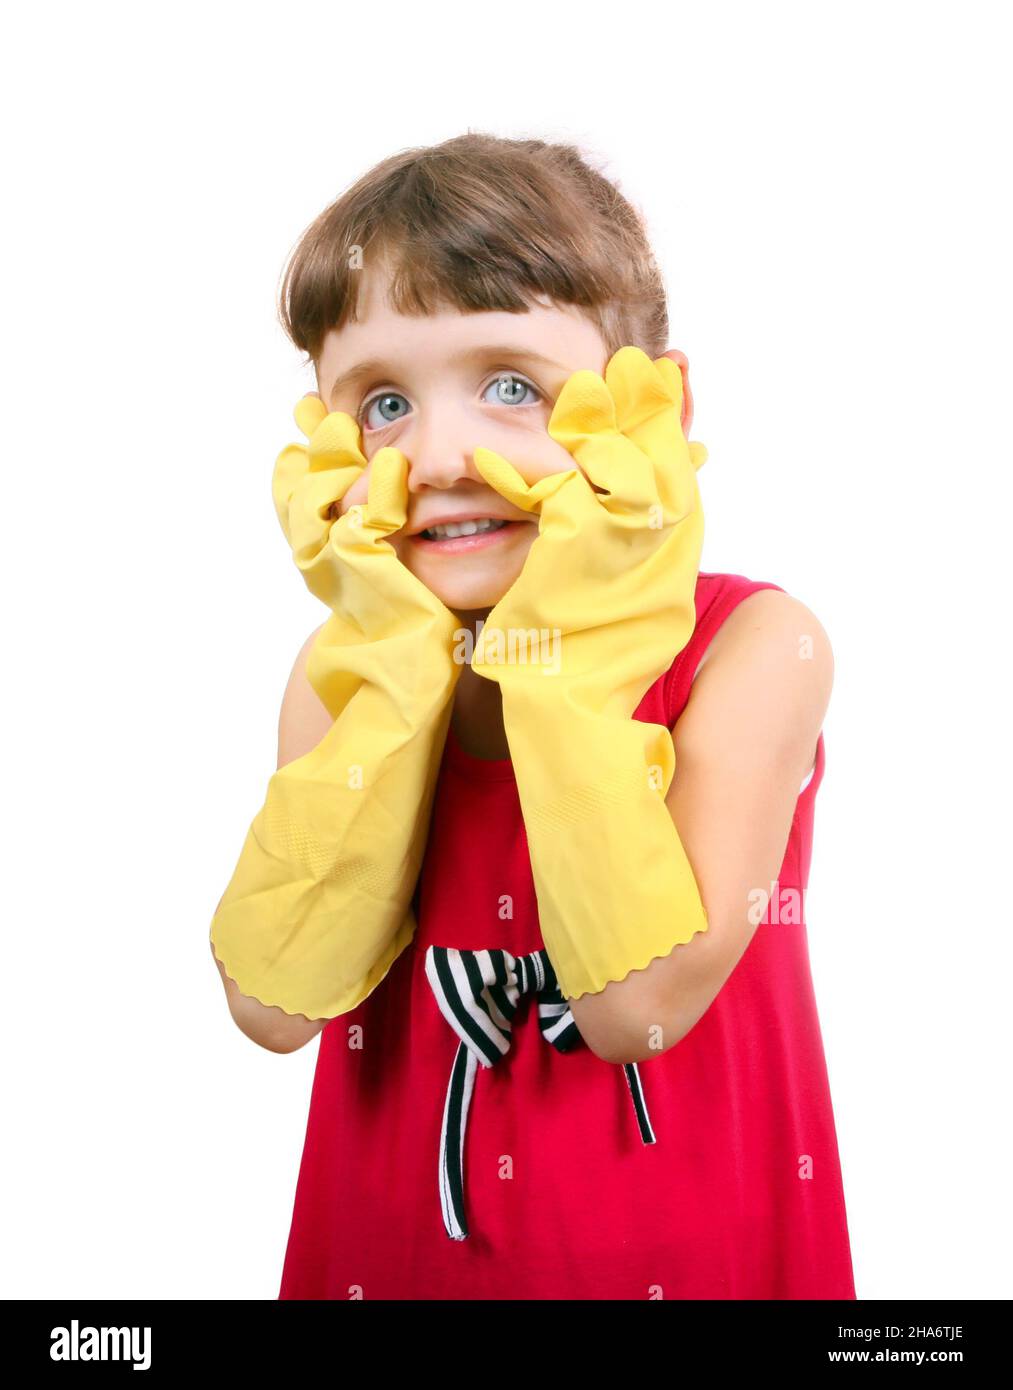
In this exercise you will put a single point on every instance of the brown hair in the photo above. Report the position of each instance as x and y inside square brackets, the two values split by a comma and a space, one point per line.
[481, 222]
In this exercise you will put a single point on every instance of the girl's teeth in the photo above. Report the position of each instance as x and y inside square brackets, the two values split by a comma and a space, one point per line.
[461, 528]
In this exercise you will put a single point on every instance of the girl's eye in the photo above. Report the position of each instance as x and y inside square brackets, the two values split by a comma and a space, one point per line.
[510, 390]
[391, 406]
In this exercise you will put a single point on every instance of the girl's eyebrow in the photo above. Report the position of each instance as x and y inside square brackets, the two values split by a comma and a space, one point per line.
[377, 366]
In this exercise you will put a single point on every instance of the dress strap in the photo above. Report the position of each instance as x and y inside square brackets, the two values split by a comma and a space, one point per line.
[717, 595]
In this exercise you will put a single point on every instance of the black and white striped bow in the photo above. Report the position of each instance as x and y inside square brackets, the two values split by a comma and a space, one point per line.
[478, 994]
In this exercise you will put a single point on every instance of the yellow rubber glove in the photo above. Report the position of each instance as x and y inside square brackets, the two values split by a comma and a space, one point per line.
[607, 601]
[319, 905]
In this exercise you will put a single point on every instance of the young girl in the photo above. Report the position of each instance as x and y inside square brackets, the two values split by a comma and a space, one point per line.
[508, 1101]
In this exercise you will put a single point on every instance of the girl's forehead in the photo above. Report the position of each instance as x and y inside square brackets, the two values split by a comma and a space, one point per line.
[380, 333]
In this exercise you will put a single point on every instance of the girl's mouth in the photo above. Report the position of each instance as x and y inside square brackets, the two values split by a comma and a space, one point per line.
[467, 535]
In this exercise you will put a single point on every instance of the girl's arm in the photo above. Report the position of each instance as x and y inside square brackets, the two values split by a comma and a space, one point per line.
[743, 745]
[301, 725]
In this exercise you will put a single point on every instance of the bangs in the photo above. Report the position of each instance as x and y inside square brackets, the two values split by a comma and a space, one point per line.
[480, 224]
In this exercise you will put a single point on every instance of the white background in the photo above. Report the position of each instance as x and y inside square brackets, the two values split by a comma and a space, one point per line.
[827, 187]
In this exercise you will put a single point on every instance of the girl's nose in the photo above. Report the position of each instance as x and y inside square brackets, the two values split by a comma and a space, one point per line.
[439, 449]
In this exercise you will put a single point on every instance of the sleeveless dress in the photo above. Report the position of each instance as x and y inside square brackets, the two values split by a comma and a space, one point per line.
[708, 1172]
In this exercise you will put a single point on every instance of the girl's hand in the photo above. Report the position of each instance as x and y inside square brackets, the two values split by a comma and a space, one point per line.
[612, 573]
[384, 621]
[610, 585]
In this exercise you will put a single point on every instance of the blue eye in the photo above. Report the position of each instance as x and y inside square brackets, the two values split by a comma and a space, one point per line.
[389, 406]
[509, 390]
[388, 401]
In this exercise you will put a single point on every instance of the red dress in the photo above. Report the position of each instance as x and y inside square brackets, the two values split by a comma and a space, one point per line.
[710, 1171]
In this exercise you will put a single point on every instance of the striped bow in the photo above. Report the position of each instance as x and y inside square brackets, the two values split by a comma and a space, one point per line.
[478, 994]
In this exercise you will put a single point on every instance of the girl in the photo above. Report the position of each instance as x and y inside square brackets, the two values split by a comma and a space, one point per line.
[508, 1101]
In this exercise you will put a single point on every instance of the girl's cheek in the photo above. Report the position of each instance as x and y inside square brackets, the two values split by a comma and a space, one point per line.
[534, 458]
[523, 441]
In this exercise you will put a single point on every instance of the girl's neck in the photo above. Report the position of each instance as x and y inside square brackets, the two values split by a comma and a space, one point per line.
[477, 717]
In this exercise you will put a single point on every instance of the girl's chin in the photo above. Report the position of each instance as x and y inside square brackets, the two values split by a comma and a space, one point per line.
[465, 601]
[469, 584]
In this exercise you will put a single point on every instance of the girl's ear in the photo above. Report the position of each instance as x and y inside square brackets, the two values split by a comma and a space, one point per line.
[682, 362]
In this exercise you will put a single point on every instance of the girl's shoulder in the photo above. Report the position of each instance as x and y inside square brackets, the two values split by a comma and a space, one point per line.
[770, 615]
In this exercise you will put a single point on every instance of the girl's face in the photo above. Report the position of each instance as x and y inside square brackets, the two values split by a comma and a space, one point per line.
[435, 387]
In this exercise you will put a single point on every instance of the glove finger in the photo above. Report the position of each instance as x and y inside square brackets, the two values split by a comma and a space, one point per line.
[642, 390]
[585, 422]
[673, 376]
[290, 467]
[335, 448]
[361, 572]
[387, 499]
[504, 478]
[342, 572]
[584, 407]
[649, 398]
[308, 413]
[626, 478]
[310, 479]
[336, 442]
[306, 502]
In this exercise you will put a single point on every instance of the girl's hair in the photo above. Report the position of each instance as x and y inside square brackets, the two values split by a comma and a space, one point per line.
[480, 222]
